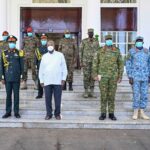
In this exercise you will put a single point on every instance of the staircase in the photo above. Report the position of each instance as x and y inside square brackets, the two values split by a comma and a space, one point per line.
[77, 112]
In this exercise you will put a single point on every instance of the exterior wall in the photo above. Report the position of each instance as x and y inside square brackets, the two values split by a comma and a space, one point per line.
[90, 15]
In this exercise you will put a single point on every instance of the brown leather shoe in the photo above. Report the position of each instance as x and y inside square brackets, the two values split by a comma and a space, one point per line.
[58, 117]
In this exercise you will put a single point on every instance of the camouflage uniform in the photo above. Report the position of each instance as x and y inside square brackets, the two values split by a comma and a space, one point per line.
[29, 46]
[108, 63]
[3, 46]
[68, 48]
[88, 48]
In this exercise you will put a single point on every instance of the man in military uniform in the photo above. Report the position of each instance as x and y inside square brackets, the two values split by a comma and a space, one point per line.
[108, 70]
[88, 48]
[39, 52]
[68, 47]
[4, 44]
[11, 71]
[30, 44]
[138, 71]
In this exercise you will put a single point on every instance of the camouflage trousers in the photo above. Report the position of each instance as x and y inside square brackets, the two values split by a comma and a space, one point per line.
[87, 76]
[108, 88]
[29, 63]
[70, 68]
[140, 94]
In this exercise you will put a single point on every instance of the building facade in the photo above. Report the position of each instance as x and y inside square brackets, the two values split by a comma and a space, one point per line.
[124, 19]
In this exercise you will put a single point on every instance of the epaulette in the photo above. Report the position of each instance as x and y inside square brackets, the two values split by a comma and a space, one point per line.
[21, 53]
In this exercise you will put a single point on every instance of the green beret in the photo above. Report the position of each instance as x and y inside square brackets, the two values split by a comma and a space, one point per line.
[90, 30]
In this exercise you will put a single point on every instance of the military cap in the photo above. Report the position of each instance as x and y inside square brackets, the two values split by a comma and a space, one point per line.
[43, 36]
[66, 31]
[90, 30]
[139, 38]
[5, 33]
[108, 37]
[29, 29]
[11, 38]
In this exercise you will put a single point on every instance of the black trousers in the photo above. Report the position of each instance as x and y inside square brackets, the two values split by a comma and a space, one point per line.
[49, 91]
[12, 87]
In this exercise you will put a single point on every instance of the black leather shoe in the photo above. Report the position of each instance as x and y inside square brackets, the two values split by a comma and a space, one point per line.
[39, 97]
[48, 117]
[112, 116]
[103, 116]
[58, 117]
[70, 86]
[17, 115]
[6, 115]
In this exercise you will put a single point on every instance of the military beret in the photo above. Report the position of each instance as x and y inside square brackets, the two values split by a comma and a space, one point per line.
[108, 37]
[29, 29]
[139, 38]
[11, 38]
[66, 31]
[43, 36]
[90, 30]
[5, 33]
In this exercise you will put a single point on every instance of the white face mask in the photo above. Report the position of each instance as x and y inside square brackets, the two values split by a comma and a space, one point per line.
[50, 48]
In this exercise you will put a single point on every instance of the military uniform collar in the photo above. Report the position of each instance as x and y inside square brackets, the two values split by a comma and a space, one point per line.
[12, 51]
[113, 48]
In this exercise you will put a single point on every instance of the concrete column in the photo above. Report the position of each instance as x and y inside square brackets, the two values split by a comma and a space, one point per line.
[93, 15]
[144, 21]
[3, 16]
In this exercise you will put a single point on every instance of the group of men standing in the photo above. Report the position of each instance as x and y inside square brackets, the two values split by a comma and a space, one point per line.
[102, 64]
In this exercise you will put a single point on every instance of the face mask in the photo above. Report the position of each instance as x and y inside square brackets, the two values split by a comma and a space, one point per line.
[43, 42]
[12, 45]
[109, 42]
[139, 44]
[5, 37]
[67, 36]
[50, 48]
[29, 34]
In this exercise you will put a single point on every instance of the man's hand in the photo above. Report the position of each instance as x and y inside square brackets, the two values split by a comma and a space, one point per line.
[3, 81]
[42, 84]
[119, 80]
[96, 78]
[131, 81]
[62, 83]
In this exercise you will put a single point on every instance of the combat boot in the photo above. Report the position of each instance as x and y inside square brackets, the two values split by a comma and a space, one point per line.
[85, 95]
[70, 86]
[24, 85]
[91, 93]
[143, 115]
[112, 116]
[102, 116]
[64, 87]
[135, 114]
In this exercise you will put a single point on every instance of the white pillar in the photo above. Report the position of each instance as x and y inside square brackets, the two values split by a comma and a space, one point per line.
[3, 16]
[93, 16]
[144, 21]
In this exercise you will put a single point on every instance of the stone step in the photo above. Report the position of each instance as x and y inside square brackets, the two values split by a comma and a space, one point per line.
[68, 121]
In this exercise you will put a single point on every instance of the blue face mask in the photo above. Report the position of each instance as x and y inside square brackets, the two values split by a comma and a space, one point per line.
[109, 42]
[5, 37]
[67, 36]
[12, 45]
[29, 34]
[139, 44]
[43, 42]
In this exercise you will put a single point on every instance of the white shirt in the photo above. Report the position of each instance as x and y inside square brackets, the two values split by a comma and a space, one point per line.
[53, 69]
